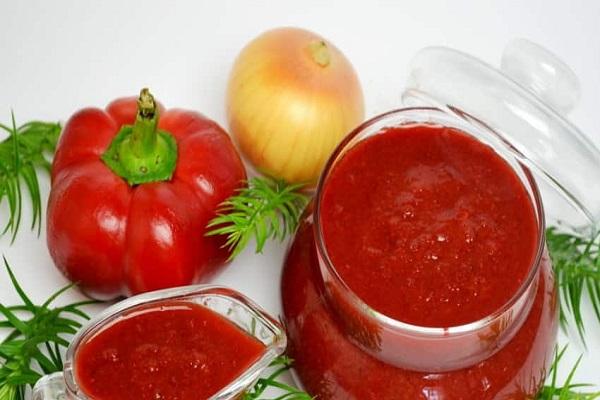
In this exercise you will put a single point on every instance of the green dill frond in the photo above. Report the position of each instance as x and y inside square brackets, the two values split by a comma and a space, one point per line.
[266, 209]
[22, 153]
[577, 267]
[280, 365]
[568, 390]
[37, 336]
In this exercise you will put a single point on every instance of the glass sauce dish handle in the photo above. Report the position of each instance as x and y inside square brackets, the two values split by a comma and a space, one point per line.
[51, 387]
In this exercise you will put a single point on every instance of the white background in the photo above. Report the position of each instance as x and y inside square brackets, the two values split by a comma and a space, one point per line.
[58, 56]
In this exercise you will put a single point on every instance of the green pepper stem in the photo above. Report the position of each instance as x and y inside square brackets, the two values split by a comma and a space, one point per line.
[142, 153]
[143, 135]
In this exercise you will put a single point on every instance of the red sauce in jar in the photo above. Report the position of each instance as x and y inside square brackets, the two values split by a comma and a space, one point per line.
[431, 227]
[170, 350]
[428, 225]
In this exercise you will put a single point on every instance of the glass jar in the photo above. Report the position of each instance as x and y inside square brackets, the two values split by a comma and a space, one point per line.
[344, 349]
[226, 302]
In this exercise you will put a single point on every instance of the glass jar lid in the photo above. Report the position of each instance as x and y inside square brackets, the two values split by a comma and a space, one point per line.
[524, 103]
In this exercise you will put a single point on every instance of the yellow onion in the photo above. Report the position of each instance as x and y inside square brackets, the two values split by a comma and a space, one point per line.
[292, 97]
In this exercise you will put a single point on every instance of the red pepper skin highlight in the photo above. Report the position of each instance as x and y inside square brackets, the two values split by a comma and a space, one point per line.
[115, 239]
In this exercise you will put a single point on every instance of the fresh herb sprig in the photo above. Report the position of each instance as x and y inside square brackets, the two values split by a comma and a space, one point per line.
[20, 154]
[568, 390]
[576, 261]
[37, 337]
[266, 209]
[281, 364]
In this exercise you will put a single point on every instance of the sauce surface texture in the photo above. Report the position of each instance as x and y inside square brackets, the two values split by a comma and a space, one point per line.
[428, 225]
[169, 351]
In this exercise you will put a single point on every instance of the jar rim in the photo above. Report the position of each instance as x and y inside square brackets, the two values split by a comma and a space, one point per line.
[397, 324]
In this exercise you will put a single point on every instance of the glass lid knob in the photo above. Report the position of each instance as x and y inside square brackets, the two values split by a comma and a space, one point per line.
[543, 73]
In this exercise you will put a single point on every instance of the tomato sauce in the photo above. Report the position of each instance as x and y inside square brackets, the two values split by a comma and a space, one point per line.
[331, 367]
[172, 350]
[428, 226]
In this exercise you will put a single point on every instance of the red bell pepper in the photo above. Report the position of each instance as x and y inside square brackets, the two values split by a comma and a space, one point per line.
[131, 196]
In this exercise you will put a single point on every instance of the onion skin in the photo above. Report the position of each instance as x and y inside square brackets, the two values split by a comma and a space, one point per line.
[292, 97]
